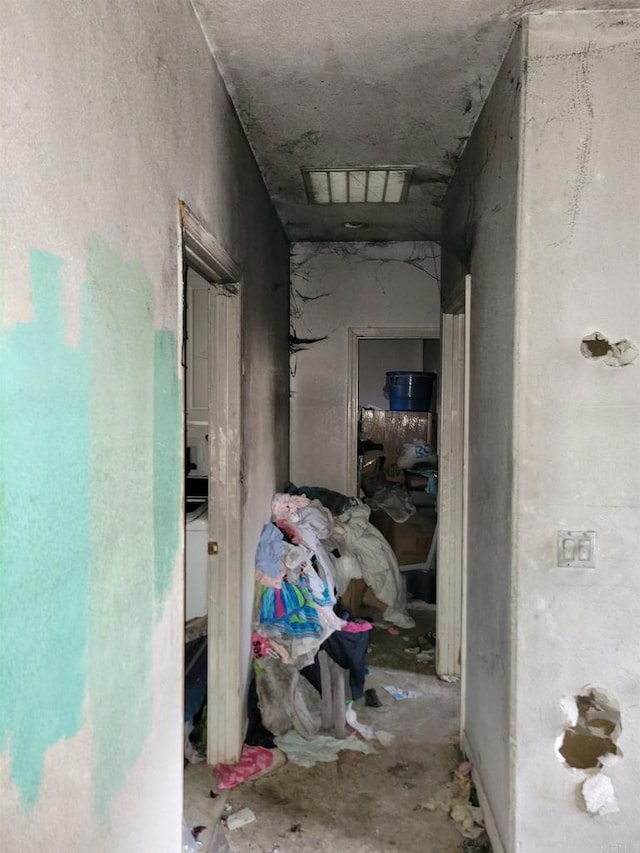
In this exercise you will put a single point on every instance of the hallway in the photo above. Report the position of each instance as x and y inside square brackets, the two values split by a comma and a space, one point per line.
[367, 803]
[414, 168]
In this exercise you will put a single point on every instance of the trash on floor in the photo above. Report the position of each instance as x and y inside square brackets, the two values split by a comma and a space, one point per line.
[454, 798]
[482, 844]
[399, 694]
[240, 818]
[366, 732]
[419, 604]
[371, 699]
[189, 843]
[306, 753]
[384, 738]
[253, 761]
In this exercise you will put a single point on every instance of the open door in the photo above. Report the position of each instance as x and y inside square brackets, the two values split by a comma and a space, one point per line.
[225, 714]
[452, 542]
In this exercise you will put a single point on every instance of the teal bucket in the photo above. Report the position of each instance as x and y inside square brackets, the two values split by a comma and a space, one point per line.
[410, 390]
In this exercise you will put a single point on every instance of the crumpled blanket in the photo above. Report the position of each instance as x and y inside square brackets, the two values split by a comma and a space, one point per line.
[286, 699]
[290, 610]
[357, 538]
[322, 748]
[315, 525]
[290, 618]
[253, 760]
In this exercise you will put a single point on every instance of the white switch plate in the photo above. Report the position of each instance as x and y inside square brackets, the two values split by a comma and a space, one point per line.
[577, 549]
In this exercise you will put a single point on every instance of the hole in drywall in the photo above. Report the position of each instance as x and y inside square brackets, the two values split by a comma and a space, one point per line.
[595, 346]
[590, 742]
[598, 348]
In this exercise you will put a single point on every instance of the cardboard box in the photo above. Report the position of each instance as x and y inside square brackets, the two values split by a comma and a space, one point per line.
[411, 539]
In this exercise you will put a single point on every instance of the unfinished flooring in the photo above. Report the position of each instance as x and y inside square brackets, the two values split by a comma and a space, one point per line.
[368, 803]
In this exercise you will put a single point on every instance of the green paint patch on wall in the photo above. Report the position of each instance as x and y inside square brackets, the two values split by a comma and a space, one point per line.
[167, 459]
[90, 489]
[44, 530]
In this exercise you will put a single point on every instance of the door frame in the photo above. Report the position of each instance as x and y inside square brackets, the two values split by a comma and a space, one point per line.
[452, 488]
[355, 335]
[225, 712]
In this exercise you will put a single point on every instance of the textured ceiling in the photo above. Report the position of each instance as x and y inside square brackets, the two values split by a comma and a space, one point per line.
[361, 83]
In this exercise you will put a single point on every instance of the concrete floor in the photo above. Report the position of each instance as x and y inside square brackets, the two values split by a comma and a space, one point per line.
[360, 803]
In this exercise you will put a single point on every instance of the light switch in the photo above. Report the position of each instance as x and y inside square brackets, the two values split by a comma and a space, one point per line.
[576, 549]
[584, 550]
[568, 550]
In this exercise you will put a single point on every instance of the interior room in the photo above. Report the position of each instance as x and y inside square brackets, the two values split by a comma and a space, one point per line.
[397, 468]
[269, 273]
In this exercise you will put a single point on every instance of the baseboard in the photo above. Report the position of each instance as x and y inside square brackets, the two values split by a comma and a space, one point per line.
[489, 820]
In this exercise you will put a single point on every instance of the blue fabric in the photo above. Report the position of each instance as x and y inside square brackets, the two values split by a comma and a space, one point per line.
[270, 550]
[291, 610]
[195, 692]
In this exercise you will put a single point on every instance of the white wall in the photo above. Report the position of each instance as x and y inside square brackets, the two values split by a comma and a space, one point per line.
[480, 221]
[112, 111]
[578, 447]
[375, 358]
[431, 356]
[544, 210]
[335, 287]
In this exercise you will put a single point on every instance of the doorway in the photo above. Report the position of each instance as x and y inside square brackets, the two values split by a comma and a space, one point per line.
[373, 352]
[213, 436]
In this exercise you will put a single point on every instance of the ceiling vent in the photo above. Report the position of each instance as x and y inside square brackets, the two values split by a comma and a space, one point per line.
[376, 185]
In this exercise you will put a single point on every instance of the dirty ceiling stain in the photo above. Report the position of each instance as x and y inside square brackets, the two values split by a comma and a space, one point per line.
[350, 84]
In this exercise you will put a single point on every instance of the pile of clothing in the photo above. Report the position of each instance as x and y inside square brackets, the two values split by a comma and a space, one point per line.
[306, 556]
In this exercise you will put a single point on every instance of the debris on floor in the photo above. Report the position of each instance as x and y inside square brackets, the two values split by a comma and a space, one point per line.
[371, 699]
[241, 818]
[310, 667]
[477, 845]
[321, 748]
[399, 694]
[190, 843]
[455, 798]
[253, 760]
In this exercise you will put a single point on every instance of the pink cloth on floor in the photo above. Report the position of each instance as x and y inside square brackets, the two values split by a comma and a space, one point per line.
[393, 630]
[357, 627]
[253, 760]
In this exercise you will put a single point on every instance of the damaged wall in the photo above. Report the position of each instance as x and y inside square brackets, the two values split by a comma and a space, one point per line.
[106, 124]
[335, 287]
[561, 211]
[480, 221]
[579, 455]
